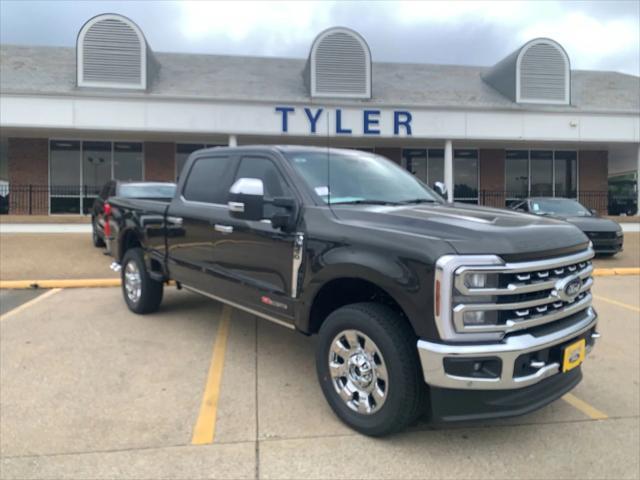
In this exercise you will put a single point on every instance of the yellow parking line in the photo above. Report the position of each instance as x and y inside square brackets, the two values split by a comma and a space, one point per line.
[61, 283]
[205, 429]
[604, 272]
[28, 304]
[619, 304]
[590, 411]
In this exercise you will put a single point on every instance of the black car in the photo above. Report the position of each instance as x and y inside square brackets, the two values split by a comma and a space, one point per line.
[606, 235]
[162, 191]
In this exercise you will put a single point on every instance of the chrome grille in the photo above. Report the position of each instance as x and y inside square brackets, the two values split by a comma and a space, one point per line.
[486, 298]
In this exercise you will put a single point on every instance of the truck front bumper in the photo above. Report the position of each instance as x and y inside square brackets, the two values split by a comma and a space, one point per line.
[517, 362]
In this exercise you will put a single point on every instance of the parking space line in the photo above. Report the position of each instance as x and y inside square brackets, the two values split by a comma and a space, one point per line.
[589, 410]
[30, 303]
[619, 304]
[205, 428]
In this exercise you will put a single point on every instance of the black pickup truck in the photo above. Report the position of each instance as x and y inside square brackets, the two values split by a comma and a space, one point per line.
[420, 306]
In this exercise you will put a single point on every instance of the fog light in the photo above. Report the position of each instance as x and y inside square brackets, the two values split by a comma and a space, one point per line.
[476, 280]
[473, 318]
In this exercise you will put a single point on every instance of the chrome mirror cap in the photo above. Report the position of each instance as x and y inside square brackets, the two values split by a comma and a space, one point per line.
[248, 186]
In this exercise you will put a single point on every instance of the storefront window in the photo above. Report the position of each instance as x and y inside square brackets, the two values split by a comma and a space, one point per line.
[517, 174]
[427, 165]
[566, 174]
[436, 165]
[465, 176]
[416, 162]
[541, 173]
[65, 176]
[96, 170]
[127, 161]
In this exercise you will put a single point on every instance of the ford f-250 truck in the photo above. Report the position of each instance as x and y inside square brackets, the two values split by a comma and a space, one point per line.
[419, 305]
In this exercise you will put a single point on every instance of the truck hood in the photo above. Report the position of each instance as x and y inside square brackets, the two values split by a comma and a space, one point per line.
[470, 229]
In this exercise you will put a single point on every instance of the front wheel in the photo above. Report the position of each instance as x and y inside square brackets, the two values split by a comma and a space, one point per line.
[368, 368]
[141, 293]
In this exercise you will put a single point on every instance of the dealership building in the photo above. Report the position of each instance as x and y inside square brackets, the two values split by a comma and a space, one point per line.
[112, 107]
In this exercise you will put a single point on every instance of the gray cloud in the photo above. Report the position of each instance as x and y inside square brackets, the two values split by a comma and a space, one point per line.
[468, 40]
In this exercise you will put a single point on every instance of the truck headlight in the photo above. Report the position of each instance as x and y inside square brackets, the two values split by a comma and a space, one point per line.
[619, 233]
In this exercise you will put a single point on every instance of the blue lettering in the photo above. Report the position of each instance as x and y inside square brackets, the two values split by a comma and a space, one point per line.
[405, 121]
[339, 128]
[368, 122]
[285, 112]
[313, 119]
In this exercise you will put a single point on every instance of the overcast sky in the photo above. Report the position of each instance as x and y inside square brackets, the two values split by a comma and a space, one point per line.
[603, 35]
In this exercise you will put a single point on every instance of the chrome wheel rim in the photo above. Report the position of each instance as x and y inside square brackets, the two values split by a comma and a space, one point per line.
[132, 282]
[358, 372]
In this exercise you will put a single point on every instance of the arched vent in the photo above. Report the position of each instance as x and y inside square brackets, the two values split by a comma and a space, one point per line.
[111, 52]
[340, 65]
[543, 73]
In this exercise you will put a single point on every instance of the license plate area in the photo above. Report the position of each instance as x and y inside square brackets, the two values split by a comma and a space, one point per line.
[573, 355]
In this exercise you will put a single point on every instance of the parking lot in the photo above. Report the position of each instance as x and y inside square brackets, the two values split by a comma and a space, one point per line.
[90, 390]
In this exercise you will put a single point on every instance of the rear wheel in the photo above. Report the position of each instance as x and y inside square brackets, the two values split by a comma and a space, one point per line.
[141, 293]
[98, 242]
[367, 365]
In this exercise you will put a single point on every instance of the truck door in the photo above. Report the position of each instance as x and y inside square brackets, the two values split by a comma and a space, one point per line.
[191, 221]
[255, 258]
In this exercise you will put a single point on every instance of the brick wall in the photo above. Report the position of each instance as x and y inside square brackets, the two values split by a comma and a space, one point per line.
[28, 165]
[160, 161]
[492, 177]
[593, 173]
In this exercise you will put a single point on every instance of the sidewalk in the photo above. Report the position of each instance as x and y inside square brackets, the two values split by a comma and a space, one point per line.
[44, 228]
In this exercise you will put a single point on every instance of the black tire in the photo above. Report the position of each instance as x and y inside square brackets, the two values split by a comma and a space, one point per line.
[406, 393]
[150, 295]
[97, 240]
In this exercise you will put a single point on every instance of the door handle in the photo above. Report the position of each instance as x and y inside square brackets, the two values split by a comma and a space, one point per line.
[223, 228]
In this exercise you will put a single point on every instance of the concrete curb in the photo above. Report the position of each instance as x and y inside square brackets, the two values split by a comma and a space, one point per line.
[606, 272]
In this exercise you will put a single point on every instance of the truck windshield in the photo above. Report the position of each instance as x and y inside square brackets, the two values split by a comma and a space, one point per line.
[148, 190]
[359, 178]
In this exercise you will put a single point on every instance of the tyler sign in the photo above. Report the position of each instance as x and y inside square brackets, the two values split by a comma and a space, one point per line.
[334, 121]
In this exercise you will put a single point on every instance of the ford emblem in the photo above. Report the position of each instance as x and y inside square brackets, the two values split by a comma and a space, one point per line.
[569, 288]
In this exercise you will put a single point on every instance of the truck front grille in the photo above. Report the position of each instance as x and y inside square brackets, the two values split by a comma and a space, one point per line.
[484, 298]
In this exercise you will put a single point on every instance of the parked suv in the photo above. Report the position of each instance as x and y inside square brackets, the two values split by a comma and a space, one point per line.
[419, 305]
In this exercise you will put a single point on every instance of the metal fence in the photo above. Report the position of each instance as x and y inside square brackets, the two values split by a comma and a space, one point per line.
[73, 199]
[44, 199]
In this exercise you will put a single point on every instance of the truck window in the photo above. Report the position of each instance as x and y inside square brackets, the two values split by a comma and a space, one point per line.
[265, 170]
[209, 180]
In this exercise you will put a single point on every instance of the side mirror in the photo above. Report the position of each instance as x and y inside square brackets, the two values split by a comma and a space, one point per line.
[594, 212]
[441, 189]
[246, 199]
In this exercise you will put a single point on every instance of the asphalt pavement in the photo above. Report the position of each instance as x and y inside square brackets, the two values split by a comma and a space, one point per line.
[90, 390]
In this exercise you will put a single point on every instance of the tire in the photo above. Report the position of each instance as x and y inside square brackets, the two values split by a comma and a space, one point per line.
[97, 240]
[396, 394]
[141, 293]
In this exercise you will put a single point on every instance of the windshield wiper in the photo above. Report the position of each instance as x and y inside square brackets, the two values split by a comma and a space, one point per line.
[365, 202]
[419, 200]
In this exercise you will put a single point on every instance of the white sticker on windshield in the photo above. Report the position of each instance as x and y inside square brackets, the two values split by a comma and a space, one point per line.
[323, 190]
[535, 207]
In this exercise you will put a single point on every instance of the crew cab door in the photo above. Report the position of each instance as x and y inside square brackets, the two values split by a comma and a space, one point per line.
[257, 259]
[191, 221]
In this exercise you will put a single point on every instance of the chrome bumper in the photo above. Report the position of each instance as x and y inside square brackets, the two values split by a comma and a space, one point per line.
[432, 357]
